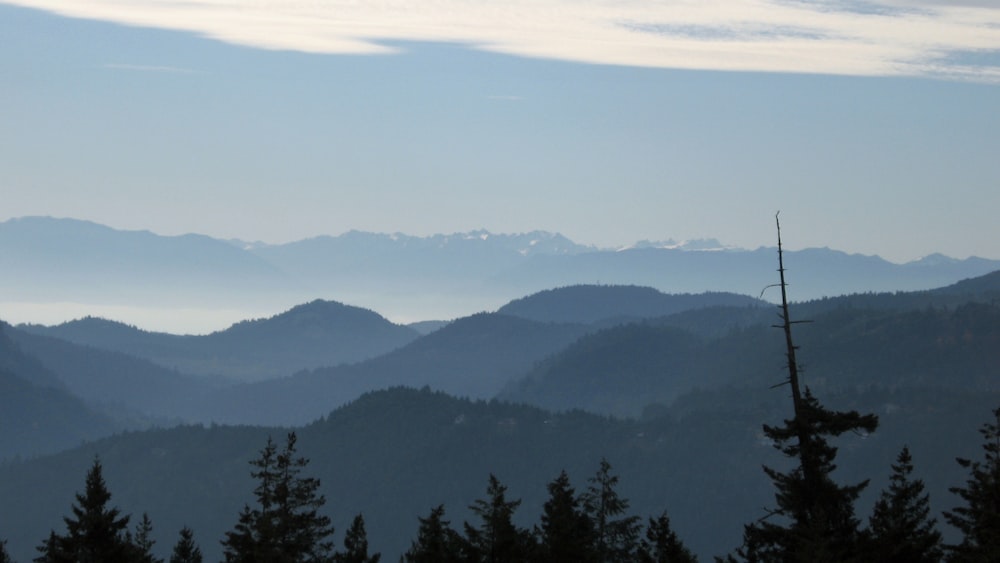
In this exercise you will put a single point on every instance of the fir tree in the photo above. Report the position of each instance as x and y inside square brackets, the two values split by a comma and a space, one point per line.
[286, 526]
[979, 518]
[142, 542]
[900, 529]
[616, 534]
[815, 515]
[497, 539]
[94, 532]
[662, 544]
[186, 550]
[436, 542]
[566, 533]
[356, 545]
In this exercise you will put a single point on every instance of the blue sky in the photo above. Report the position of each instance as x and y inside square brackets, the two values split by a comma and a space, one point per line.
[873, 126]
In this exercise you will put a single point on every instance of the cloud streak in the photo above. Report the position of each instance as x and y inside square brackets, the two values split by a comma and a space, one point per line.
[852, 37]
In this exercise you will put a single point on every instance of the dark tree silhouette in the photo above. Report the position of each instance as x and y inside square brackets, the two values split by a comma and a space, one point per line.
[186, 550]
[616, 534]
[286, 525]
[497, 539]
[979, 518]
[662, 544]
[4, 556]
[815, 516]
[436, 541]
[95, 533]
[356, 545]
[566, 533]
[900, 529]
[142, 542]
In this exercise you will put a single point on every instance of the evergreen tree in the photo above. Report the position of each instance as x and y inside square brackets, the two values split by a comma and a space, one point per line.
[142, 542]
[94, 532]
[50, 551]
[436, 542]
[662, 544]
[4, 556]
[356, 545]
[186, 550]
[816, 521]
[285, 526]
[497, 539]
[979, 518]
[900, 529]
[566, 533]
[616, 535]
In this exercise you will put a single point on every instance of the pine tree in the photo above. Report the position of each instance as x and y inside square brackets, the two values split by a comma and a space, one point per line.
[497, 539]
[356, 545]
[94, 533]
[142, 542]
[616, 535]
[436, 542]
[816, 521]
[900, 529]
[286, 526]
[566, 533]
[186, 550]
[979, 518]
[4, 556]
[662, 544]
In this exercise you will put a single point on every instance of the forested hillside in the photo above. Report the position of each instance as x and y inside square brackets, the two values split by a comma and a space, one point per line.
[691, 391]
[315, 334]
[624, 369]
[38, 415]
[394, 455]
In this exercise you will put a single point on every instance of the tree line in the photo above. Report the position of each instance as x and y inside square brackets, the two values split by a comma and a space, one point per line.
[813, 521]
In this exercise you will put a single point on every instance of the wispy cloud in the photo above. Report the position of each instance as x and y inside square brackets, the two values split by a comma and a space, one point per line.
[857, 37]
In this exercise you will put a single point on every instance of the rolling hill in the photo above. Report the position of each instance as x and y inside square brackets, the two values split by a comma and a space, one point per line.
[315, 334]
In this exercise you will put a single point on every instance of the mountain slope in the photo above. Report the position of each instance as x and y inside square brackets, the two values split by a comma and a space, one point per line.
[119, 383]
[315, 334]
[99, 269]
[37, 417]
[65, 260]
[624, 369]
[471, 357]
[593, 303]
[393, 455]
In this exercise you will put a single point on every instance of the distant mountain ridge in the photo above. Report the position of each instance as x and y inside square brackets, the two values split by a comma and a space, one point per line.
[318, 333]
[48, 260]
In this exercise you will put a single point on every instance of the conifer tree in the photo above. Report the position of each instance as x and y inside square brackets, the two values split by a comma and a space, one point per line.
[356, 545]
[616, 534]
[4, 556]
[815, 515]
[436, 541]
[497, 539]
[662, 544]
[900, 529]
[285, 526]
[95, 533]
[186, 550]
[566, 533]
[142, 542]
[979, 518]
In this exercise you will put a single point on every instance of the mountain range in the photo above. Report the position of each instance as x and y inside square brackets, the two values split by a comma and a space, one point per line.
[672, 388]
[67, 261]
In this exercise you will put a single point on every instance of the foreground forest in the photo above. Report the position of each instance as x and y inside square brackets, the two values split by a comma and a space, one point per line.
[689, 392]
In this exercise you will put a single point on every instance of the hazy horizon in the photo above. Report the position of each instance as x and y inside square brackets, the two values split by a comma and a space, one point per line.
[874, 127]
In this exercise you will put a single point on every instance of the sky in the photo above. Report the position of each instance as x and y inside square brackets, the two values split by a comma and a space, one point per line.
[873, 126]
